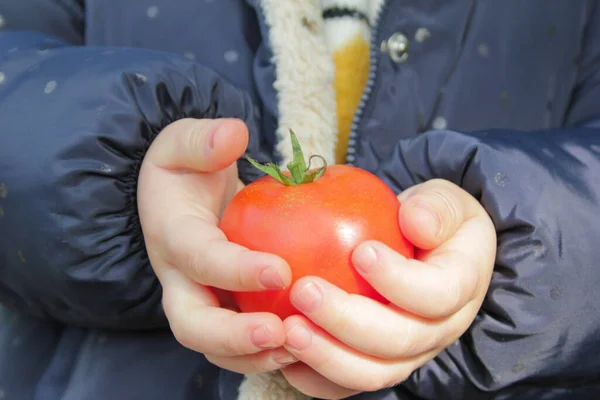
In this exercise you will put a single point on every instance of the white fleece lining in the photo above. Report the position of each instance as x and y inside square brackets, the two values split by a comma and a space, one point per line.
[306, 104]
[268, 386]
[304, 77]
[374, 9]
[343, 30]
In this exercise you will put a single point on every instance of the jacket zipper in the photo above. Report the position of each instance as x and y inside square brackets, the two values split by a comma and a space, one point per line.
[373, 61]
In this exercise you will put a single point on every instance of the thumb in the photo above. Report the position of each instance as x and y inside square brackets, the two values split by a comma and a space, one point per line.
[433, 211]
[203, 145]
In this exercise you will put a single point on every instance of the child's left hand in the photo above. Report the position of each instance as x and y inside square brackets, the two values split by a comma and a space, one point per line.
[348, 343]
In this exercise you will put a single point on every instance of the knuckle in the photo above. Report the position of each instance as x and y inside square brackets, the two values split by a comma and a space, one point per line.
[242, 280]
[230, 343]
[397, 378]
[447, 292]
[342, 319]
[183, 334]
[392, 377]
[374, 381]
[452, 297]
[228, 346]
[443, 183]
[173, 242]
[406, 346]
[450, 212]
[214, 360]
[325, 361]
[180, 328]
[261, 364]
[169, 305]
[472, 285]
[369, 385]
[197, 263]
[194, 138]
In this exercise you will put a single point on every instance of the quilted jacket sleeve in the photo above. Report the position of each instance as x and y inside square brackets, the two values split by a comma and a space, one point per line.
[539, 321]
[75, 125]
[539, 324]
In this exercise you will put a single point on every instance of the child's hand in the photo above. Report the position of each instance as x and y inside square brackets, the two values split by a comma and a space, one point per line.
[186, 179]
[349, 343]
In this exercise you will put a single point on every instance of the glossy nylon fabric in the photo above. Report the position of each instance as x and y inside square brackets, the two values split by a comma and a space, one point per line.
[517, 87]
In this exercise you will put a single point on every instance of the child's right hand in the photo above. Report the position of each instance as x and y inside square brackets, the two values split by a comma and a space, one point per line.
[187, 178]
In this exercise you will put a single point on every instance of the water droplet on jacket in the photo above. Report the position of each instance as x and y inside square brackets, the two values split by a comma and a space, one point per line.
[2, 21]
[3, 191]
[483, 50]
[422, 34]
[440, 123]
[105, 168]
[501, 179]
[518, 367]
[231, 56]
[152, 12]
[139, 79]
[50, 87]
[190, 55]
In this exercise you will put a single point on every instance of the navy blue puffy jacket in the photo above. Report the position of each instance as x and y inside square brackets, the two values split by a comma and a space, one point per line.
[503, 100]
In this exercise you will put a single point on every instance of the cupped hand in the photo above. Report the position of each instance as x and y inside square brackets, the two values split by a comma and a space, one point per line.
[188, 176]
[348, 343]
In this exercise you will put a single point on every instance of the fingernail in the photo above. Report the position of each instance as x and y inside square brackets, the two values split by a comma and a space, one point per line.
[307, 298]
[283, 357]
[262, 337]
[270, 279]
[365, 259]
[298, 338]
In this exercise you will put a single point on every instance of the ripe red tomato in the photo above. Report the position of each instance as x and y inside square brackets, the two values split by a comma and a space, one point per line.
[314, 226]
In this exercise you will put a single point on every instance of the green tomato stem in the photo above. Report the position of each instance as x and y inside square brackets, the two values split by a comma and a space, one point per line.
[299, 172]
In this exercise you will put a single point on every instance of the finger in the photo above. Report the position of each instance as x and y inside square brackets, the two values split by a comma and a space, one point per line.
[199, 324]
[433, 211]
[339, 363]
[440, 285]
[202, 145]
[202, 252]
[313, 384]
[268, 360]
[364, 324]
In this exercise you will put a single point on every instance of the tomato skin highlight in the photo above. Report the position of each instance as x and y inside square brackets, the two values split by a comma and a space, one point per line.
[314, 227]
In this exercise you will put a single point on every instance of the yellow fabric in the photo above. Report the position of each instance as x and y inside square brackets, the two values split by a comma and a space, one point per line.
[351, 74]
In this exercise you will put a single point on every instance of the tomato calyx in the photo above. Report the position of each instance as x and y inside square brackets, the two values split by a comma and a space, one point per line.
[300, 173]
